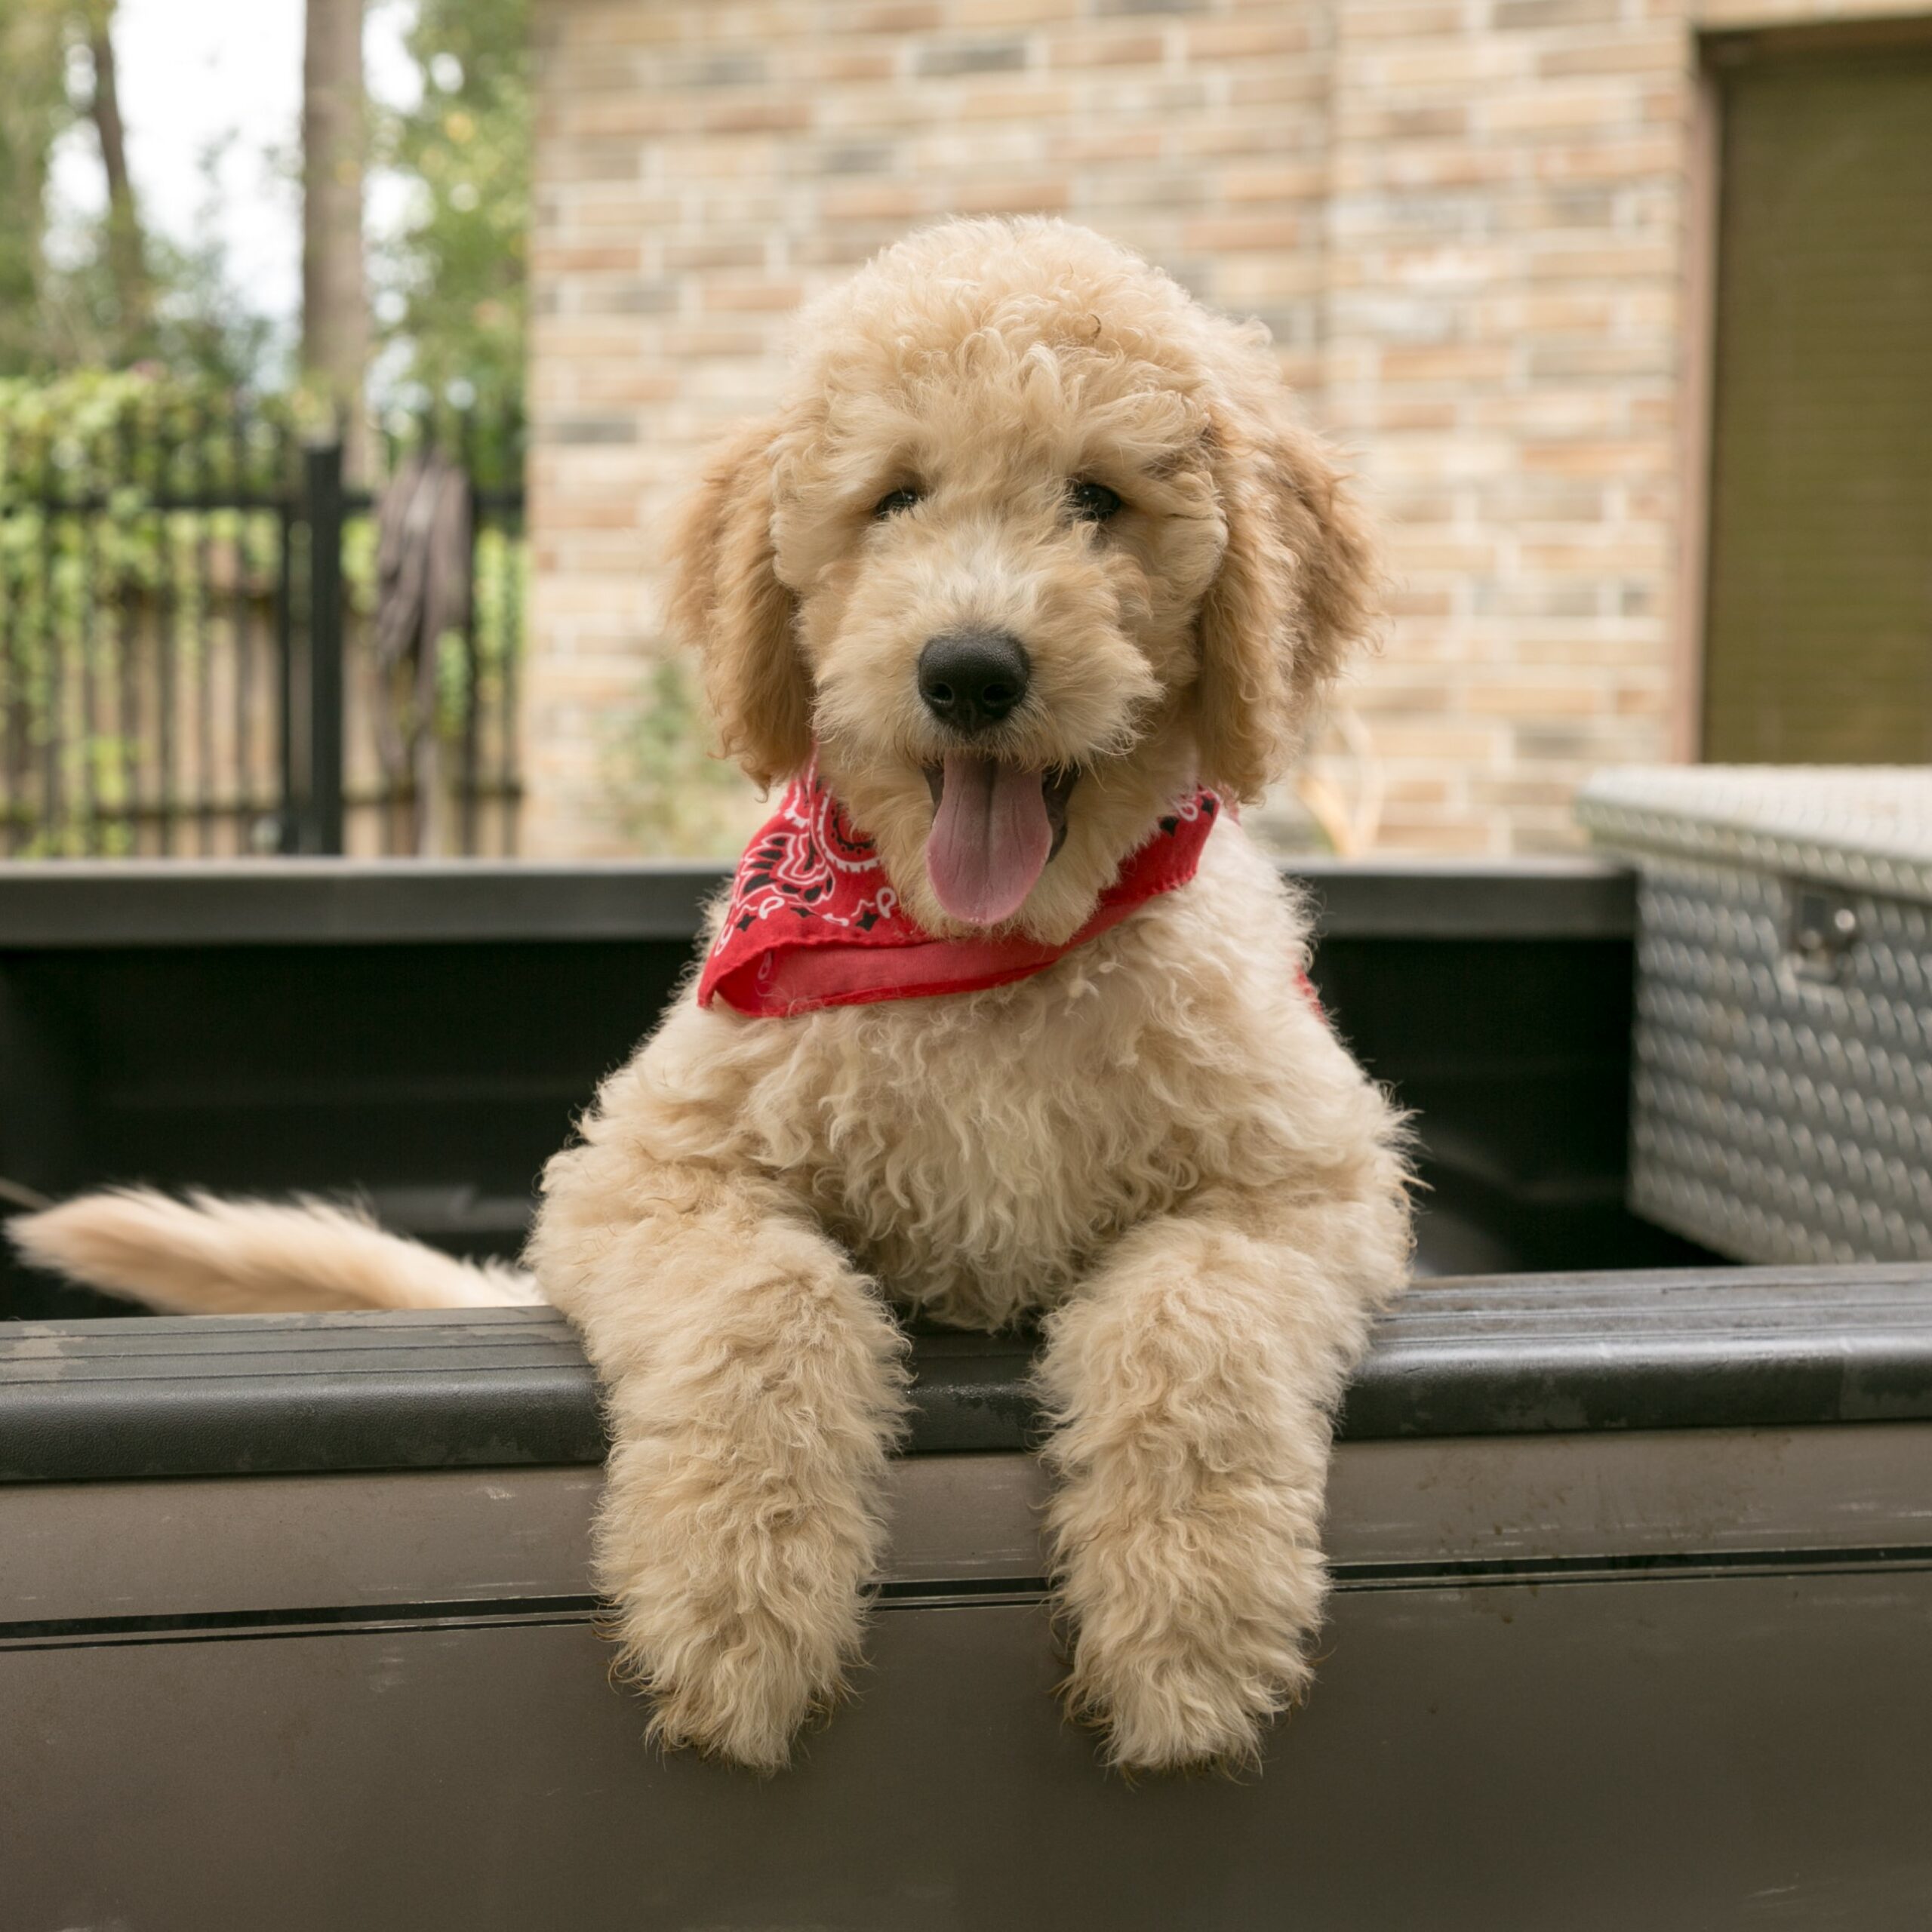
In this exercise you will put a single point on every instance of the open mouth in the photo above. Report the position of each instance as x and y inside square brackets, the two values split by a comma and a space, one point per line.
[996, 826]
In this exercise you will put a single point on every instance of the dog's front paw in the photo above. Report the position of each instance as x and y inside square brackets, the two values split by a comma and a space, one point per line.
[1172, 1702]
[728, 1684]
[1183, 1654]
[738, 1609]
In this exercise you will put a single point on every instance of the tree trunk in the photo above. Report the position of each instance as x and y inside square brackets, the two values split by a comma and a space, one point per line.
[33, 109]
[126, 256]
[335, 320]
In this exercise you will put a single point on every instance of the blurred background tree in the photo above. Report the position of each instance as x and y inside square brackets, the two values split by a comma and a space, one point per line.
[109, 293]
[34, 111]
[124, 248]
[449, 283]
[437, 293]
[335, 310]
[415, 203]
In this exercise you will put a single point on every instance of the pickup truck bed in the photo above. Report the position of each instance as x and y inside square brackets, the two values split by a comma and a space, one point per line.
[1633, 1616]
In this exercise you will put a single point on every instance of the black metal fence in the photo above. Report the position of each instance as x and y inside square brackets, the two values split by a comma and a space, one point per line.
[201, 652]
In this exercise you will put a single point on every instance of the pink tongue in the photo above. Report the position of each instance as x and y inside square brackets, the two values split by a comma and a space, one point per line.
[990, 838]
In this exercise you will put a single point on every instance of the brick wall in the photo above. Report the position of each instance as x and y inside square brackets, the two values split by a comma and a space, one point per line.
[1463, 221]
[1502, 345]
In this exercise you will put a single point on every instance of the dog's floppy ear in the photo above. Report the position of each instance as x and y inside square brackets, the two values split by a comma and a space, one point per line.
[727, 600]
[1297, 588]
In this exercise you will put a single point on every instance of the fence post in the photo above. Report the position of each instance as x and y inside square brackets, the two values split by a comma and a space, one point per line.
[322, 487]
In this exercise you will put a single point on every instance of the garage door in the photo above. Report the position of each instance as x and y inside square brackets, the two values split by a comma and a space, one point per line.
[1818, 638]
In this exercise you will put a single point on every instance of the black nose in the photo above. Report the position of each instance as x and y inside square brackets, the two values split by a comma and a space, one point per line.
[971, 679]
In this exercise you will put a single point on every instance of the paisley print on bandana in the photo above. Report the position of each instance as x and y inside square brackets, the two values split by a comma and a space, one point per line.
[813, 921]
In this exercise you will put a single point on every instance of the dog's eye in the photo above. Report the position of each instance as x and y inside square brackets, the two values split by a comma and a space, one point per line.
[1092, 502]
[894, 501]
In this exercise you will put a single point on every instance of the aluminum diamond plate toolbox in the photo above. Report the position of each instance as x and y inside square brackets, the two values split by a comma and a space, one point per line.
[1782, 1102]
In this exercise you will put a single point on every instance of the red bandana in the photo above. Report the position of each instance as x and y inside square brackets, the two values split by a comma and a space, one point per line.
[814, 922]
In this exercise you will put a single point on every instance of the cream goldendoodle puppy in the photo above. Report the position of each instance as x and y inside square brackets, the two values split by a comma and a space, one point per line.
[1032, 552]
[1033, 547]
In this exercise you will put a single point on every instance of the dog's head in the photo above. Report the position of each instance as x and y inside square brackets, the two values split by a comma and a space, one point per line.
[1033, 543]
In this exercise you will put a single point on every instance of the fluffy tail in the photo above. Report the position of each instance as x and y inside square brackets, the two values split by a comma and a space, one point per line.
[209, 1256]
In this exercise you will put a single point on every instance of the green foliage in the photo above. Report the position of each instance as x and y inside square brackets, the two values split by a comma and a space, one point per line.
[450, 289]
[201, 327]
[70, 316]
[131, 559]
[146, 429]
[99, 580]
[99, 421]
[670, 794]
[33, 111]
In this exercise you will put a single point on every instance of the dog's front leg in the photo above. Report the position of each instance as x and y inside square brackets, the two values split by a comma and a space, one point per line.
[1191, 1380]
[754, 1382]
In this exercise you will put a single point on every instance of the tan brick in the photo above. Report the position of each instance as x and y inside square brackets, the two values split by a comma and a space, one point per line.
[1438, 165]
[1222, 136]
[1663, 49]
[1537, 16]
[714, 339]
[1045, 196]
[1468, 66]
[1410, 792]
[1463, 223]
[628, 383]
[1447, 836]
[1244, 40]
[1227, 234]
[966, 14]
[582, 259]
[731, 117]
[1606, 263]
[1393, 414]
[844, 247]
[1458, 741]
[829, 66]
[1543, 313]
[1109, 49]
[1404, 20]
[896, 16]
[879, 202]
[1545, 108]
[603, 27]
[1287, 87]
[1377, 120]
[1450, 362]
[1077, 144]
[625, 209]
[1029, 105]
[736, 297]
[1290, 182]
[1623, 557]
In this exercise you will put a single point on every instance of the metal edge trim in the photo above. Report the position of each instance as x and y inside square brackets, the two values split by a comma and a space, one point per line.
[52, 904]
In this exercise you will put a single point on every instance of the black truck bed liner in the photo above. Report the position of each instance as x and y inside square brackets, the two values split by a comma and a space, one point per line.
[119, 1400]
[1631, 1623]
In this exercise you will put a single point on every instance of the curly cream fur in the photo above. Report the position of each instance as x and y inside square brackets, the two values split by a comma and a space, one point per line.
[989, 362]
[1156, 1144]
[206, 1256]
[1157, 1140]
